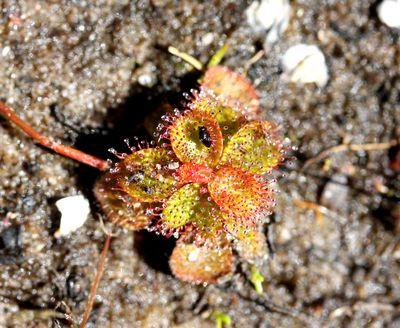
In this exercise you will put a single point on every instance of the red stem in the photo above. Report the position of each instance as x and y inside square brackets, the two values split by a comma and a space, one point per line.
[96, 282]
[61, 149]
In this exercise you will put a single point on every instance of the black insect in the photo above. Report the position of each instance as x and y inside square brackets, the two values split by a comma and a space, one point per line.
[204, 137]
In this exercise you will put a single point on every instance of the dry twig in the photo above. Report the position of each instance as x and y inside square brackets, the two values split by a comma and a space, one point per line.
[186, 57]
[253, 60]
[318, 209]
[351, 147]
[96, 282]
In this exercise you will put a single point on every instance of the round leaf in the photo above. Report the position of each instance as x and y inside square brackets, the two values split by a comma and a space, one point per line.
[196, 138]
[148, 175]
[255, 148]
[118, 206]
[181, 206]
[240, 194]
[200, 265]
[191, 205]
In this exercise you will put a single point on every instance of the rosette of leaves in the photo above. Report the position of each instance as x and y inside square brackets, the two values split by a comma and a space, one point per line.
[207, 184]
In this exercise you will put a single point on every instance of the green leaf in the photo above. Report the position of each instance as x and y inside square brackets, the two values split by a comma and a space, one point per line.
[222, 320]
[257, 279]
[229, 120]
[255, 148]
[190, 205]
[182, 206]
[196, 138]
[207, 223]
[217, 57]
[148, 175]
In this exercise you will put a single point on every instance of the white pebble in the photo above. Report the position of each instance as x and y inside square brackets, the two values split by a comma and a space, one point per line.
[207, 39]
[147, 80]
[6, 50]
[389, 13]
[271, 16]
[74, 213]
[304, 63]
[285, 235]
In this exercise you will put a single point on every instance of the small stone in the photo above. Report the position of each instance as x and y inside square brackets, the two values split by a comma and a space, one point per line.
[389, 13]
[146, 75]
[335, 194]
[11, 245]
[5, 51]
[304, 63]
[207, 39]
[284, 235]
[75, 284]
[74, 213]
[147, 80]
[10, 237]
[271, 16]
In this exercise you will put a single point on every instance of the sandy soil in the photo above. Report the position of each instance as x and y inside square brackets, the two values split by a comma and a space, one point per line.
[88, 74]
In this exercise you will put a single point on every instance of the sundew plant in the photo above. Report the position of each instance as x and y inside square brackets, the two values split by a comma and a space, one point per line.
[206, 180]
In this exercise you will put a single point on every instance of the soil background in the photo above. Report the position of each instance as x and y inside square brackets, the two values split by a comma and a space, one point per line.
[88, 72]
